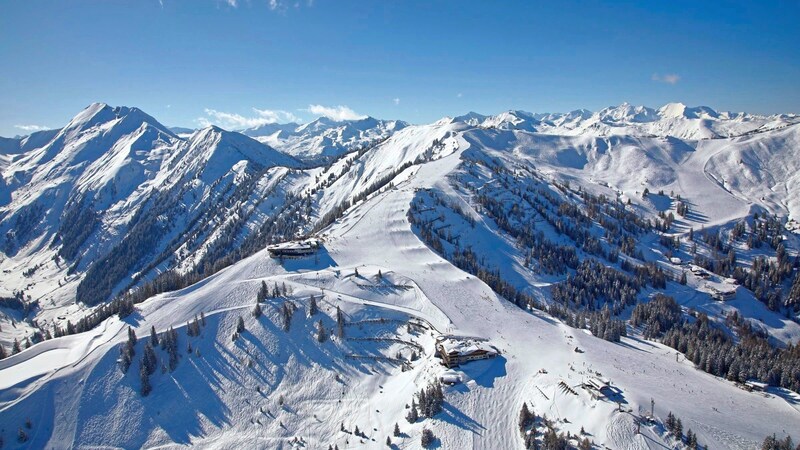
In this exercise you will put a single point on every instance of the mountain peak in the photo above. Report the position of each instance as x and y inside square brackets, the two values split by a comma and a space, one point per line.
[102, 113]
[626, 112]
[679, 110]
[470, 118]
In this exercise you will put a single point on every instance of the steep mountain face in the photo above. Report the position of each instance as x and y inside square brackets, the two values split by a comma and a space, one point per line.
[323, 139]
[547, 234]
[109, 199]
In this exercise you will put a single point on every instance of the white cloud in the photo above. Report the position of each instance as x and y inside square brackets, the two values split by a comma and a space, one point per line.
[334, 112]
[459, 95]
[31, 128]
[233, 121]
[274, 5]
[396, 101]
[669, 78]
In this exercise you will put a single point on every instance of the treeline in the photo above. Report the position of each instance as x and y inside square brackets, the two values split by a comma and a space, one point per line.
[16, 302]
[658, 315]
[26, 220]
[551, 258]
[76, 224]
[373, 187]
[427, 403]
[601, 323]
[714, 351]
[550, 438]
[766, 276]
[773, 443]
[595, 284]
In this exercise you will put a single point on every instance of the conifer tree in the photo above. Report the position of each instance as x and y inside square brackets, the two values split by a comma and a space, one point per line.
[412, 415]
[144, 377]
[312, 306]
[132, 336]
[427, 438]
[149, 359]
[339, 322]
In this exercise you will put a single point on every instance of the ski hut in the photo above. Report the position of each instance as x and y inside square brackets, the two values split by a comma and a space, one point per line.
[596, 387]
[294, 249]
[723, 295]
[457, 350]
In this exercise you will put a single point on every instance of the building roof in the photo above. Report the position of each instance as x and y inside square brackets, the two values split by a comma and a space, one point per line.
[462, 346]
[450, 376]
[307, 244]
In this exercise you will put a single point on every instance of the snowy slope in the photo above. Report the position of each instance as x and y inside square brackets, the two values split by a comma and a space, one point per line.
[205, 196]
[212, 400]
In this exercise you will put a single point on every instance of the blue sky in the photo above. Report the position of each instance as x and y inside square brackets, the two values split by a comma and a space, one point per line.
[243, 62]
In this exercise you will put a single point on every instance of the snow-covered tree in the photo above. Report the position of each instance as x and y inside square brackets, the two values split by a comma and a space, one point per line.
[322, 333]
[427, 439]
[312, 306]
[144, 378]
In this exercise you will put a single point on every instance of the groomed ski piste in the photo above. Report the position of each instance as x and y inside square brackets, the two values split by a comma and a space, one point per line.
[272, 388]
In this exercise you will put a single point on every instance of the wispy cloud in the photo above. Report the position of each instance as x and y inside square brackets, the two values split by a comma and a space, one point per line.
[396, 100]
[334, 112]
[669, 78]
[274, 5]
[233, 121]
[31, 128]
[459, 95]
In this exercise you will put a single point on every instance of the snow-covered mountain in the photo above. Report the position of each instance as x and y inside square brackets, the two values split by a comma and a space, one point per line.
[324, 139]
[671, 120]
[115, 196]
[544, 234]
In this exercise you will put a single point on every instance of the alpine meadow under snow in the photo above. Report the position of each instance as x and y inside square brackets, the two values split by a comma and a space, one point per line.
[626, 279]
